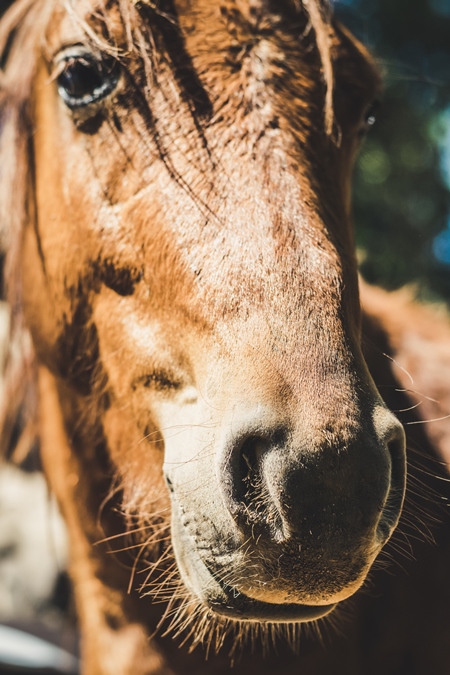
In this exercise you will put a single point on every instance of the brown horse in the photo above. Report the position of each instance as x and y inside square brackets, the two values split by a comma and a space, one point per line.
[175, 195]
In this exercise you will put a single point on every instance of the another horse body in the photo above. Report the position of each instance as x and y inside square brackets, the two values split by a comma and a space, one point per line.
[182, 256]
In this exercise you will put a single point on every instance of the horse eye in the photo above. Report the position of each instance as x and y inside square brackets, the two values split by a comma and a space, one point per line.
[85, 79]
[370, 116]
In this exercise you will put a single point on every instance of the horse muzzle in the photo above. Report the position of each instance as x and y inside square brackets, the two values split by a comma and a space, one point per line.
[268, 525]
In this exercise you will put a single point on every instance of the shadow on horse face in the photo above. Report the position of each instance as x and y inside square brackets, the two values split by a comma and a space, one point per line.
[192, 240]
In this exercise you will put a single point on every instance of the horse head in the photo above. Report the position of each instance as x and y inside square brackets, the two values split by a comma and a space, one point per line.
[189, 279]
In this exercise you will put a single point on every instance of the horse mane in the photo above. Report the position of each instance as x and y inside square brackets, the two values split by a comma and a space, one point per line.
[22, 37]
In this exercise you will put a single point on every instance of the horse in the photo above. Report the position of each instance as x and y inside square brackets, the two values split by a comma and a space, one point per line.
[188, 343]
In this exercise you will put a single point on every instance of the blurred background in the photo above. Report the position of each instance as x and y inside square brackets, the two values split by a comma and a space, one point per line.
[402, 219]
[402, 179]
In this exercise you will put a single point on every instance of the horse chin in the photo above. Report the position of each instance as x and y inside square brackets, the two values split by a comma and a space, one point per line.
[225, 600]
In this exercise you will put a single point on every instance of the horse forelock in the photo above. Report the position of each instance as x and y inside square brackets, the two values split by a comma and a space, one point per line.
[23, 32]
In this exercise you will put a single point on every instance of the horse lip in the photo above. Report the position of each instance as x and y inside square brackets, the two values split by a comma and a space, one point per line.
[242, 608]
[225, 600]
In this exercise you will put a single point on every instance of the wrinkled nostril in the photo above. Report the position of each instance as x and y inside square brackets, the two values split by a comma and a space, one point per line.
[390, 432]
[394, 440]
[242, 473]
[396, 445]
[390, 436]
[251, 455]
[398, 470]
[273, 487]
[250, 487]
[255, 506]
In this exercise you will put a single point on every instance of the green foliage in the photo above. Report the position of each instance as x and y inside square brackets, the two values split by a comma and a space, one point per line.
[402, 180]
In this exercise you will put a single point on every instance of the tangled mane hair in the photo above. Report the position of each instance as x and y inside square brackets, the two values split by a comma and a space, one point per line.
[22, 39]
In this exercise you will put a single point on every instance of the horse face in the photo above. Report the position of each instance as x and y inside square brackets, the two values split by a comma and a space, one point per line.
[190, 272]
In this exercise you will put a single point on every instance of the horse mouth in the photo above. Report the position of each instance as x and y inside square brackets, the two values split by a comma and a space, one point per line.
[240, 607]
[228, 601]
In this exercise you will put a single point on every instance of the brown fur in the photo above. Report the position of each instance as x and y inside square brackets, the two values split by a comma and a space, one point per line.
[188, 248]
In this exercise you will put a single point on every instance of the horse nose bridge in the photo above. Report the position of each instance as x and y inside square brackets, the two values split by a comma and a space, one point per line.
[286, 482]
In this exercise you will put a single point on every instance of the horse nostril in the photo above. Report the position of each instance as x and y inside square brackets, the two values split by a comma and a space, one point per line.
[394, 502]
[252, 452]
[393, 436]
[396, 449]
[250, 488]
[396, 445]
[244, 485]
[255, 506]
[275, 488]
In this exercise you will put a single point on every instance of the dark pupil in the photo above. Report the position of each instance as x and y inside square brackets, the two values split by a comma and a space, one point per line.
[80, 79]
